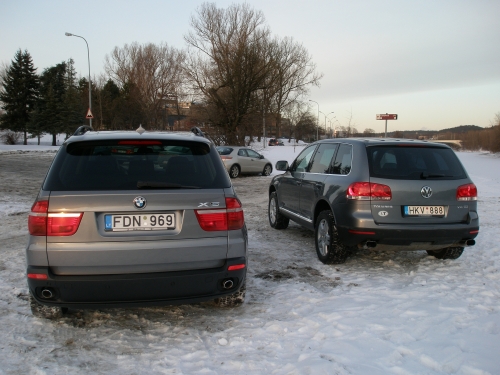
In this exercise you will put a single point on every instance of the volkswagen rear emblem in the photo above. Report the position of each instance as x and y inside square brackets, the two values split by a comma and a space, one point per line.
[140, 202]
[426, 191]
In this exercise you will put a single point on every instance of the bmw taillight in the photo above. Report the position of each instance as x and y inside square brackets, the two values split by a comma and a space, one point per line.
[467, 193]
[369, 191]
[229, 218]
[43, 223]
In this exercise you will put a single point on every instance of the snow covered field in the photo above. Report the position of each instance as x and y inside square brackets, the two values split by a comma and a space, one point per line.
[379, 313]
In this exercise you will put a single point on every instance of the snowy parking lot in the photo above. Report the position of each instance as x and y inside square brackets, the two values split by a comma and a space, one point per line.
[379, 313]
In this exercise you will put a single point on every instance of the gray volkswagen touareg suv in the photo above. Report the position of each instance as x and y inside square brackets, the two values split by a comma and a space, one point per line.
[377, 194]
[130, 219]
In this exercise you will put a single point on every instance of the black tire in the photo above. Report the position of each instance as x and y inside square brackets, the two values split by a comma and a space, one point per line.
[328, 247]
[448, 253]
[45, 312]
[268, 169]
[234, 171]
[233, 300]
[276, 219]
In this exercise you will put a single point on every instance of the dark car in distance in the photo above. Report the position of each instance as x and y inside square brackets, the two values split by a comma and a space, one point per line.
[377, 194]
[275, 142]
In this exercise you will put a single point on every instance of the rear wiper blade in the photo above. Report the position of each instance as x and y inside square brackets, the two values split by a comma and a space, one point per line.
[425, 175]
[162, 185]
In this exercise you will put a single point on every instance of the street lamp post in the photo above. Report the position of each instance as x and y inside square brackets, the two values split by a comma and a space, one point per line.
[317, 120]
[328, 120]
[88, 57]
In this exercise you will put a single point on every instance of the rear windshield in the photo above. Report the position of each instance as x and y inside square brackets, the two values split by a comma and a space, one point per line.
[131, 165]
[414, 163]
[222, 150]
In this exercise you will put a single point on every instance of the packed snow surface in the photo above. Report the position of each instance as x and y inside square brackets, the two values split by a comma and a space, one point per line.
[379, 313]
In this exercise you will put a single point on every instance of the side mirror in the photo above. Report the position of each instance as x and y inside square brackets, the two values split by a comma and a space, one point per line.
[261, 156]
[282, 165]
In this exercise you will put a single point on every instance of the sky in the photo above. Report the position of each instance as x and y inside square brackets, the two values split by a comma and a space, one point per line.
[434, 63]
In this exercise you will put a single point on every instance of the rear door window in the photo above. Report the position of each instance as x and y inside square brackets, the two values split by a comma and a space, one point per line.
[131, 165]
[343, 160]
[414, 163]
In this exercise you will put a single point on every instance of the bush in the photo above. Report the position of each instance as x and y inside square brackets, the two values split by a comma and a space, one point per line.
[10, 137]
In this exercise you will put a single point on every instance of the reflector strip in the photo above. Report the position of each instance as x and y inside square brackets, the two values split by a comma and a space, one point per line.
[37, 276]
[236, 267]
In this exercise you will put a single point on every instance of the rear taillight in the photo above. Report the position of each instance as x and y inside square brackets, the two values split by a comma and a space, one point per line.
[224, 157]
[236, 267]
[42, 223]
[229, 218]
[467, 193]
[369, 191]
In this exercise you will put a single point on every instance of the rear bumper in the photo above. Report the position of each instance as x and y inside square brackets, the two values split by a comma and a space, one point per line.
[397, 237]
[147, 289]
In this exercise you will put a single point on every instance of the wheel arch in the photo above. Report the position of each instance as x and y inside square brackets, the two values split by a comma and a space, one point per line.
[321, 205]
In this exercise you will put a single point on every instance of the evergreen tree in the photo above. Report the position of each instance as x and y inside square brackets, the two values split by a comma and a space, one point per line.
[51, 106]
[73, 112]
[19, 94]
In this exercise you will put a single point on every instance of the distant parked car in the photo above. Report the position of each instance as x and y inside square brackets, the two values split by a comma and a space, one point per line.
[377, 194]
[243, 160]
[275, 142]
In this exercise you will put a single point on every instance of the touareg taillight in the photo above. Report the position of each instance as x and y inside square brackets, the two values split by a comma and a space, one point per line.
[369, 191]
[467, 192]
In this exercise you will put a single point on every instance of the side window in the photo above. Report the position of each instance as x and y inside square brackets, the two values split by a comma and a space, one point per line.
[253, 154]
[300, 164]
[323, 158]
[242, 152]
[343, 160]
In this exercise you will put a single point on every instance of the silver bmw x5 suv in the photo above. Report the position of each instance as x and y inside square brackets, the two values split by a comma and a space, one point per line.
[129, 219]
[377, 194]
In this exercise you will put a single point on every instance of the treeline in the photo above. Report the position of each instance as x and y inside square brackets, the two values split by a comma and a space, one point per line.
[233, 71]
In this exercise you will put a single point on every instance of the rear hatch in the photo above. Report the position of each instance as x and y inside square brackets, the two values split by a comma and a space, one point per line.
[137, 200]
[423, 181]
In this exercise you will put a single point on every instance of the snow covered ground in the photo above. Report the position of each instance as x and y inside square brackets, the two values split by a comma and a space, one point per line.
[379, 313]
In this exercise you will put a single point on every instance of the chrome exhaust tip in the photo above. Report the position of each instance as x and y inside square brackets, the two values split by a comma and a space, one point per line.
[227, 284]
[47, 293]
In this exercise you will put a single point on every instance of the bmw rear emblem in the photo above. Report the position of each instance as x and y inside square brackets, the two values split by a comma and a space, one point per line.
[140, 202]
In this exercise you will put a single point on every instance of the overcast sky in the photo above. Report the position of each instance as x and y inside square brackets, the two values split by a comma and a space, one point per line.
[434, 63]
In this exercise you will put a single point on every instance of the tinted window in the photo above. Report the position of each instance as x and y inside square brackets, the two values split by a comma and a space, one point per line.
[242, 152]
[300, 164]
[129, 165]
[414, 163]
[343, 160]
[323, 158]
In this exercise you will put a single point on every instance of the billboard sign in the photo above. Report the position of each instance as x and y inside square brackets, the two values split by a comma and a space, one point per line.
[387, 116]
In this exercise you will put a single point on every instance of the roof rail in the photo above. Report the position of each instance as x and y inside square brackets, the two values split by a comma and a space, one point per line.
[83, 129]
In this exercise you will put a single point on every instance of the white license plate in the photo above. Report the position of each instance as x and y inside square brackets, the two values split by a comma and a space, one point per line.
[139, 222]
[424, 210]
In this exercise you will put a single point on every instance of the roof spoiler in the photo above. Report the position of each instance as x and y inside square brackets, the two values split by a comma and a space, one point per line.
[83, 129]
[197, 131]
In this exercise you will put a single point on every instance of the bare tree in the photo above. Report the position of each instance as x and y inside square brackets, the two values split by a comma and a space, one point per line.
[368, 132]
[293, 72]
[226, 63]
[156, 72]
